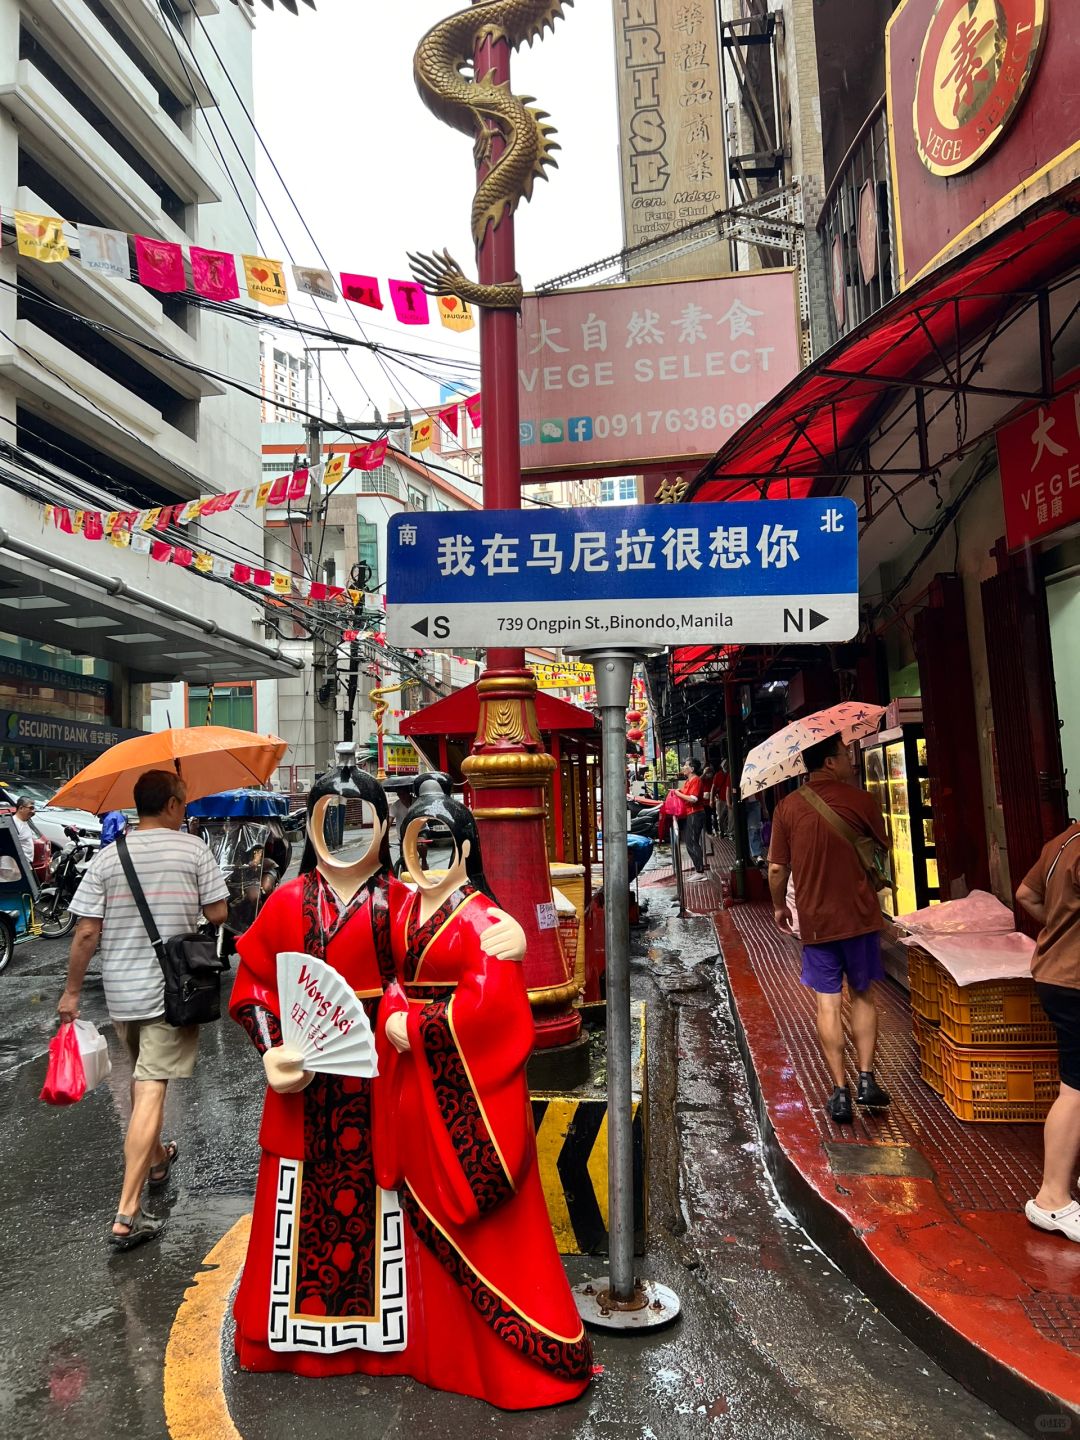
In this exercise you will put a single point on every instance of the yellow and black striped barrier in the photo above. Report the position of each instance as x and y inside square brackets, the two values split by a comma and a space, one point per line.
[571, 1146]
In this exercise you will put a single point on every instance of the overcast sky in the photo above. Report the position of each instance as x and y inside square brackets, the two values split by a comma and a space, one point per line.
[375, 174]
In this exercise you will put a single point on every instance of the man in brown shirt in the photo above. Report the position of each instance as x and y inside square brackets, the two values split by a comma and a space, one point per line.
[840, 920]
[1051, 893]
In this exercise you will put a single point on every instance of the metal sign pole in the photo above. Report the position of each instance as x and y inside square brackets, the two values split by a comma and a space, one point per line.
[620, 1301]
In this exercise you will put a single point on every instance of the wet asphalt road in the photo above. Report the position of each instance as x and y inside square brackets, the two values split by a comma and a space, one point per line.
[774, 1342]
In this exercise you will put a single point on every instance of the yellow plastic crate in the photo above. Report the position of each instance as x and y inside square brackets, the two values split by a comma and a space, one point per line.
[993, 1012]
[995, 1086]
[923, 980]
[928, 1044]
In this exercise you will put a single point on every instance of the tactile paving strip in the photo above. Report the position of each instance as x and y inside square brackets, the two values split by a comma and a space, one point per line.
[978, 1167]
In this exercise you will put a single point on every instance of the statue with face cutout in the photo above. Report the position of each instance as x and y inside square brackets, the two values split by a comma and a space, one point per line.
[454, 1136]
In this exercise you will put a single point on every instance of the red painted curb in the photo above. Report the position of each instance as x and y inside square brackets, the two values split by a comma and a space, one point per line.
[947, 1284]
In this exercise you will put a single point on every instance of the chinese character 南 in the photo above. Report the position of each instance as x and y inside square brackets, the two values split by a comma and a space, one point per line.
[670, 492]
[546, 554]
[682, 548]
[688, 18]
[407, 535]
[590, 547]
[697, 92]
[777, 546]
[697, 131]
[1040, 438]
[693, 56]
[740, 317]
[699, 170]
[729, 545]
[455, 555]
[644, 329]
[970, 67]
[594, 332]
[691, 323]
[500, 555]
[634, 552]
[545, 339]
[832, 522]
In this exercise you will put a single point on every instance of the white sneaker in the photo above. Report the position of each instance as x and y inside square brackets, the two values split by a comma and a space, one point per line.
[1067, 1221]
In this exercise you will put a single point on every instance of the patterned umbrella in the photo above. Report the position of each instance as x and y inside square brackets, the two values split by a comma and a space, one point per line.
[780, 757]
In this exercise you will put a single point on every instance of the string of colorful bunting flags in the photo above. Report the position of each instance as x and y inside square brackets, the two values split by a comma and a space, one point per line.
[163, 265]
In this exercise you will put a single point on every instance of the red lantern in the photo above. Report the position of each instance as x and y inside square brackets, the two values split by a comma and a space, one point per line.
[634, 717]
[637, 735]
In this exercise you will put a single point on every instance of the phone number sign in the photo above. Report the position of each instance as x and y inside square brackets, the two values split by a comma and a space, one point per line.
[631, 375]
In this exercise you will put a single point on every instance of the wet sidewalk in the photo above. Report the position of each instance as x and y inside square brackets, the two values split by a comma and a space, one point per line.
[923, 1211]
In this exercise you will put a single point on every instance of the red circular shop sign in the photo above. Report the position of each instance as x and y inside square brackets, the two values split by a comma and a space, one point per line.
[976, 64]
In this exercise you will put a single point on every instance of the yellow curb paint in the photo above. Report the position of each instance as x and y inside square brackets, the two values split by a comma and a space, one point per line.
[195, 1405]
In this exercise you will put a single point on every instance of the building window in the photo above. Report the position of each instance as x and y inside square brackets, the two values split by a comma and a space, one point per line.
[383, 481]
[417, 500]
[234, 705]
[621, 491]
[367, 548]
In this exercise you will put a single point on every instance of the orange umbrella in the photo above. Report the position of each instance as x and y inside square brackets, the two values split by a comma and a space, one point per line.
[208, 758]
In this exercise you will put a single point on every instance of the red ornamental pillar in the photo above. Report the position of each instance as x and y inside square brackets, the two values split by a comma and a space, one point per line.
[509, 770]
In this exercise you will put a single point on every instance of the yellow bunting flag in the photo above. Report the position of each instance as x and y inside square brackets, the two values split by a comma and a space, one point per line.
[149, 518]
[77, 518]
[265, 280]
[281, 584]
[49, 513]
[455, 314]
[120, 538]
[421, 436]
[334, 470]
[40, 237]
[263, 493]
[204, 562]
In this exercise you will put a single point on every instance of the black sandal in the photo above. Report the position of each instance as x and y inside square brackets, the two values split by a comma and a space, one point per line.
[172, 1154]
[141, 1228]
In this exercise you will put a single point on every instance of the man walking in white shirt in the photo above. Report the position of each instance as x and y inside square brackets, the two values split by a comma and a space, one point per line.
[180, 879]
[24, 813]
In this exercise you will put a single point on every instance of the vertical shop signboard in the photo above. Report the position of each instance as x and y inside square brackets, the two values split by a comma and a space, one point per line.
[1039, 461]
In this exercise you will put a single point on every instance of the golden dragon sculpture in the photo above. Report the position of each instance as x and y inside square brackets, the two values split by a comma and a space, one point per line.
[480, 107]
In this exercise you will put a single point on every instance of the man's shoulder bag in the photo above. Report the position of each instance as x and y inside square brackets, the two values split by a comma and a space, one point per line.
[871, 857]
[192, 964]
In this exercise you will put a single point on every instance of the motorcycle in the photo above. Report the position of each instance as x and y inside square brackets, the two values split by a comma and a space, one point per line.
[644, 818]
[53, 905]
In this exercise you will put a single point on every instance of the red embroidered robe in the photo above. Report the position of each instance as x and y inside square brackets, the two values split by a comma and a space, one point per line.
[347, 1271]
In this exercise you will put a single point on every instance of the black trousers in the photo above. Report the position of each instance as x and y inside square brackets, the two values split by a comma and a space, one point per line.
[691, 829]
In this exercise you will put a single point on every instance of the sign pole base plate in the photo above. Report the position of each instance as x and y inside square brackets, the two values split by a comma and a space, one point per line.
[652, 1307]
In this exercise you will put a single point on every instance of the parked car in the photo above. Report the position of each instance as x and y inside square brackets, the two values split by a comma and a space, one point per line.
[50, 821]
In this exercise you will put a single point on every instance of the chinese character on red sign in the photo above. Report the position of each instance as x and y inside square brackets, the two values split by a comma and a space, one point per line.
[1039, 460]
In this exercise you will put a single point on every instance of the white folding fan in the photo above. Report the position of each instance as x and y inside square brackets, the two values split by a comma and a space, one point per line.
[322, 1018]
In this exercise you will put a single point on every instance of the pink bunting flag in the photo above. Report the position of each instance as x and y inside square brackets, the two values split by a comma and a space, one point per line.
[213, 273]
[162, 551]
[298, 484]
[279, 491]
[183, 557]
[410, 302]
[62, 516]
[318, 590]
[262, 577]
[160, 264]
[93, 528]
[449, 418]
[242, 574]
[473, 407]
[369, 457]
[164, 520]
[361, 290]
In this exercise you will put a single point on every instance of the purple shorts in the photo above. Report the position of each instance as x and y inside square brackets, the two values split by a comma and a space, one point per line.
[824, 966]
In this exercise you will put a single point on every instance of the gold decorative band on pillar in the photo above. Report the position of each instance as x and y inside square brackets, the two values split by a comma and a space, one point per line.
[508, 757]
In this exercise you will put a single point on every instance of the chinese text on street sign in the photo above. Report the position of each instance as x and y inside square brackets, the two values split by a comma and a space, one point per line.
[756, 572]
[1039, 460]
[637, 374]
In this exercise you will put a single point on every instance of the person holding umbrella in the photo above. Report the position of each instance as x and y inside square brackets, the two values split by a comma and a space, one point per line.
[823, 836]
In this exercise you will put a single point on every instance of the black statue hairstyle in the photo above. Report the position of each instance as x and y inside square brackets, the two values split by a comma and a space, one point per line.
[459, 820]
[351, 784]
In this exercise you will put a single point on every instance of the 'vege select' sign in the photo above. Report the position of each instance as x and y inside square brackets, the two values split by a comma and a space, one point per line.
[630, 375]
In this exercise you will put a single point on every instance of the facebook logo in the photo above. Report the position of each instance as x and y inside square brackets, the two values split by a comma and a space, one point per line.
[526, 432]
[580, 427]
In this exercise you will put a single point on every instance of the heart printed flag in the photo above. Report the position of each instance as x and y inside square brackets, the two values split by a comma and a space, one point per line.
[265, 279]
[279, 491]
[213, 273]
[263, 493]
[298, 485]
[449, 418]
[311, 281]
[473, 408]
[40, 237]
[422, 432]
[361, 290]
[281, 585]
[335, 470]
[369, 457]
[104, 252]
[455, 314]
[410, 302]
[160, 264]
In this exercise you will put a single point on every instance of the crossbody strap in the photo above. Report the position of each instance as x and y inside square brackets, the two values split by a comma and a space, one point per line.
[1058, 856]
[828, 814]
[152, 931]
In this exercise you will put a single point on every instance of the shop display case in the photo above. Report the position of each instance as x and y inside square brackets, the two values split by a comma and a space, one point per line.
[895, 771]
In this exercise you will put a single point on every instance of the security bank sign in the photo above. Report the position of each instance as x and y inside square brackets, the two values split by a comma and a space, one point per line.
[760, 572]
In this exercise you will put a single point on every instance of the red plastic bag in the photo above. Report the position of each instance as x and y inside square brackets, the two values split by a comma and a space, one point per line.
[65, 1079]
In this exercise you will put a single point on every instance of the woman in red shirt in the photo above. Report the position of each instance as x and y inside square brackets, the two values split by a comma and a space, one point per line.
[694, 823]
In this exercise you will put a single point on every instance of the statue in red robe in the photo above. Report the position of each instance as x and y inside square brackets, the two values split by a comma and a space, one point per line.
[399, 1224]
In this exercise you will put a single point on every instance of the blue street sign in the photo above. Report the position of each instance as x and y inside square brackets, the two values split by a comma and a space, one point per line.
[758, 572]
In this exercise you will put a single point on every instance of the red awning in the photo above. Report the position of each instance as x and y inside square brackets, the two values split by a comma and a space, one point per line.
[810, 432]
[457, 715]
